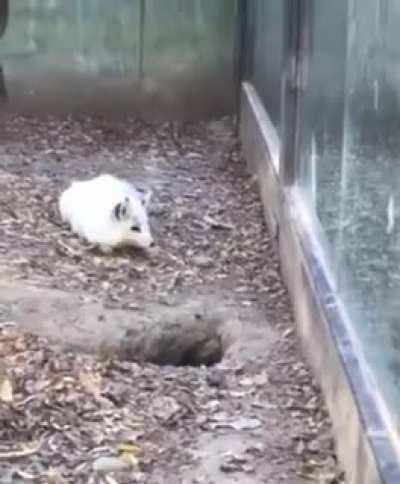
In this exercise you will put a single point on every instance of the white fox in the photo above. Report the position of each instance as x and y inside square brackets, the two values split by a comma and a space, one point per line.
[108, 212]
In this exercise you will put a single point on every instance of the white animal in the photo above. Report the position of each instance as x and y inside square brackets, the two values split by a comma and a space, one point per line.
[108, 212]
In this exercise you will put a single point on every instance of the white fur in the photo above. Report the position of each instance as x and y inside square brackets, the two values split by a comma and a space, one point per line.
[89, 208]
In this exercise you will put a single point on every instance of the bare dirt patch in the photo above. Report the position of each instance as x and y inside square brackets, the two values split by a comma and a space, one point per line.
[78, 408]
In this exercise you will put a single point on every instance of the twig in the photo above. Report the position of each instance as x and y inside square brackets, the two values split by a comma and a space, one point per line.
[27, 476]
[17, 454]
[110, 480]
[174, 280]
[217, 224]
[68, 250]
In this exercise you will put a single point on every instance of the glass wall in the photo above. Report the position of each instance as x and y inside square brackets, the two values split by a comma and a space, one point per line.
[264, 52]
[347, 153]
[349, 167]
[86, 53]
[322, 106]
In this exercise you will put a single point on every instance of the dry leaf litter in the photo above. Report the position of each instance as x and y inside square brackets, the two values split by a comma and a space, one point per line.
[256, 417]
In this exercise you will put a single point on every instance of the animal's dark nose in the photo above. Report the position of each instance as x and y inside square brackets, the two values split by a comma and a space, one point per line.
[152, 244]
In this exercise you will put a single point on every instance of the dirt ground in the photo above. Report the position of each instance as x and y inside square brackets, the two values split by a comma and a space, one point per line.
[73, 409]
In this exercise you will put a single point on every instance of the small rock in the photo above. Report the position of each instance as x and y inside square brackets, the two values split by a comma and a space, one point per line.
[248, 468]
[213, 406]
[55, 477]
[244, 423]
[236, 394]
[233, 463]
[104, 465]
[300, 447]
[261, 379]
[313, 446]
[215, 378]
[230, 467]
[246, 382]
[256, 450]
[240, 423]
[203, 261]
[166, 408]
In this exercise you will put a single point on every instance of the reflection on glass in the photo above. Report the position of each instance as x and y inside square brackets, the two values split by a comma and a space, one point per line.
[350, 170]
[321, 110]
[3, 89]
[4, 10]
[151, 47]
[4, 7]
[265, 44]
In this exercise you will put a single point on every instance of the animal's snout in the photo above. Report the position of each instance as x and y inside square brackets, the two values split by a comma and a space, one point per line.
[145, 242]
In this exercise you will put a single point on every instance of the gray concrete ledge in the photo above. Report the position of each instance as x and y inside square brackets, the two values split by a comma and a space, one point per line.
[367, 446]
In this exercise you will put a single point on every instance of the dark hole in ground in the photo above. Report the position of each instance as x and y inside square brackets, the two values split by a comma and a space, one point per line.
[206, 353]
[192, 330]
[192, 340]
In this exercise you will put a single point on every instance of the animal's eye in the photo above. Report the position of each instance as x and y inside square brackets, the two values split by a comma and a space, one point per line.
[135, 228]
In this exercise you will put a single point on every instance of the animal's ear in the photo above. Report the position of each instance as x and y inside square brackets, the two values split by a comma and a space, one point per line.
[145, 196]
[121, 210]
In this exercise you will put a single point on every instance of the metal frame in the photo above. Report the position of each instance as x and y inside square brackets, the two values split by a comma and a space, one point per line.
[366, 446]
[142, 20]
[364, 438]
[290, 92]
[4, 15]
[297, 49]
[240, 46]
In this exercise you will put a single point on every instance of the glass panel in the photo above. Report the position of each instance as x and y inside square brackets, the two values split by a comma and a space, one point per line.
[192, 41]
[120, 54]
[349, 168]
[322, 108]
[265, 51]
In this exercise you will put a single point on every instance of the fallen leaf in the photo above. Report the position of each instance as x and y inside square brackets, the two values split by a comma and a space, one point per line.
[129, 448]
[129, 453]
[24, 452]
[54, 477]
[6, 390]
[240, 423]
[91, 382]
